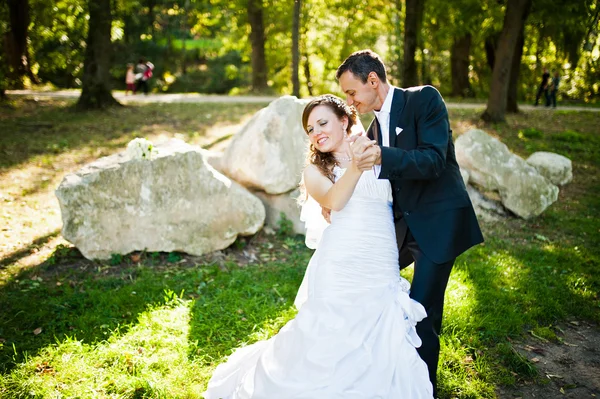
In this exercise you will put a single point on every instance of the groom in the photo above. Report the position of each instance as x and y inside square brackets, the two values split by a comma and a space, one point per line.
[434, 217]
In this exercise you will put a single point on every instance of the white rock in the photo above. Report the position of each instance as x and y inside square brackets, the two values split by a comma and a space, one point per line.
[465, 176]
[491, 165]
[554, 167]
[286, 203]
[177, 202]
[269, 152]
[486, 209]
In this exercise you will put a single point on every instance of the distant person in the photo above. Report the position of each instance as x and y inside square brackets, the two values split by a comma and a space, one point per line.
[130, 80]
[144, 73]
[552, 89]
[543, 89]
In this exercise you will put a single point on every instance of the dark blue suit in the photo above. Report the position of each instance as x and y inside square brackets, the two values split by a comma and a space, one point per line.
[435, 220]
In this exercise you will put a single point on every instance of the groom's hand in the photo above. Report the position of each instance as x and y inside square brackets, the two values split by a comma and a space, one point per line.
[365, 153]
[369, 158]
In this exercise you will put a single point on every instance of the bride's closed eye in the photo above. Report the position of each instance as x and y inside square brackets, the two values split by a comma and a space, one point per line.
[309, 130]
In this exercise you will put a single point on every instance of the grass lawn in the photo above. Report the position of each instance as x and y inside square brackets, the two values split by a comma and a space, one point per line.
[154, 325]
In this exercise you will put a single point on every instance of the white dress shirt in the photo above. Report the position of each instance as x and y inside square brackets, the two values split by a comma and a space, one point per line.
[383, 117]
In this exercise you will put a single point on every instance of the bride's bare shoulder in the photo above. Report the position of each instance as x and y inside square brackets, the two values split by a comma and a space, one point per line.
[312, 172]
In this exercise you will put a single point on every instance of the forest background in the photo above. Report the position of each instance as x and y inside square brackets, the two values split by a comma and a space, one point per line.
[293, 47]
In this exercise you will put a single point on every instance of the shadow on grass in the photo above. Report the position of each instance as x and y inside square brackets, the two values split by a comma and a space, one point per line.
[519, 288]
[55, 128]
[70, 296]
[28, 249]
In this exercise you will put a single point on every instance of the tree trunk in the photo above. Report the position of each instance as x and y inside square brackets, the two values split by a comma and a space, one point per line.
[516, 10]
[17, 53]
[412, 27]
[296, 49]
[309, 83]
[95, 92]
[513, 86]
[257, 40]
[459, 61]
[491, 44]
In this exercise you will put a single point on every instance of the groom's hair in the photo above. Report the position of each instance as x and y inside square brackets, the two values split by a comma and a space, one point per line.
[361, 64]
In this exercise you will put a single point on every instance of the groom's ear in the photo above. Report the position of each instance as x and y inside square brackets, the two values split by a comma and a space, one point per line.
[373, 79]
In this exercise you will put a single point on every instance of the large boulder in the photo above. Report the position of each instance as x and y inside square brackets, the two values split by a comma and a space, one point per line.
[269, 152]
[176, 202]
[492, 166]
[554, 167]
[276, 204]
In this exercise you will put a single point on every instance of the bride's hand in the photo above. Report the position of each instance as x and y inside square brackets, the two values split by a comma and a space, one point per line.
[361, 145]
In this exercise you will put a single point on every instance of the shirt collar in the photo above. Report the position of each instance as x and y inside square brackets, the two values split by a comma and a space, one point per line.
[387, 103]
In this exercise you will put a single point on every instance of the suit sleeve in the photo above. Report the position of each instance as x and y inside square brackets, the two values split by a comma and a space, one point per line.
[428, 159]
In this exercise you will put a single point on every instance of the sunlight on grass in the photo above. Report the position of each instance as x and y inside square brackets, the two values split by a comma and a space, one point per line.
[463, 370]
[150, 360]
[271, 326]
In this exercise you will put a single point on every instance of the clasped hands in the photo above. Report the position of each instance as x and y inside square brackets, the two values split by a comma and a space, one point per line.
[365, 152]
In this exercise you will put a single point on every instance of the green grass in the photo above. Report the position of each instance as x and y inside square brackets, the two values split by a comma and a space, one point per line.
[156, 328]
[38, 131]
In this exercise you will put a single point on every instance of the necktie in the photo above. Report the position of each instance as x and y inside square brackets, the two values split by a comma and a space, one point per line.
[384, 123]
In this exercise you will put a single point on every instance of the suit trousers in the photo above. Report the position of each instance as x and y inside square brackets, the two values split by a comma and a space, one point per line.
[428, 288]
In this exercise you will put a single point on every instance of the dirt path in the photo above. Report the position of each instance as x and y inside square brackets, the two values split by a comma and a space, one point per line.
[568, 368]
[208, 98]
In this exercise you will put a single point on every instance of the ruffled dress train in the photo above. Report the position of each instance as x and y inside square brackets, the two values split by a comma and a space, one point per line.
[354, 335]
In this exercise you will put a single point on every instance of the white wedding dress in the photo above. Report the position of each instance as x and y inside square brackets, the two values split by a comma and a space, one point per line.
[354, 335]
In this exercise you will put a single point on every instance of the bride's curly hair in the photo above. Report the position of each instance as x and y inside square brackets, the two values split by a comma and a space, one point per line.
[325, 160]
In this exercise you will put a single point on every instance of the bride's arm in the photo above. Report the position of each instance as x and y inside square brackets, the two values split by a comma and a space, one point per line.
[327, 194]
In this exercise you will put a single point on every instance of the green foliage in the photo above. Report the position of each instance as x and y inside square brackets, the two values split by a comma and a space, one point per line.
[530, 133]
[115, 259]
[285, 227]
[61, 252]
[562, 35]
[173, 257]
[569, 136]
[219, 75]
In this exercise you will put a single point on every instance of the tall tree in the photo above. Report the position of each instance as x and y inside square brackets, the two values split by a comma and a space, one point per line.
[17, 53]
[412, 29]
[296, 49]
[459, 65]
[513, 83]
[257, 41]
[95, 92]
[516, 11]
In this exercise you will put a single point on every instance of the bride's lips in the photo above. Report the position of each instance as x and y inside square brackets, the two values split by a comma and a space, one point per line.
[322, 140]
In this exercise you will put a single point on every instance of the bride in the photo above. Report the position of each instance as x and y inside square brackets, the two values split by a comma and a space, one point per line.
[354, 335]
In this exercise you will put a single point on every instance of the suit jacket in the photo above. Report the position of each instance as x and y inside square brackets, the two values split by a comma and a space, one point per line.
[420, 163]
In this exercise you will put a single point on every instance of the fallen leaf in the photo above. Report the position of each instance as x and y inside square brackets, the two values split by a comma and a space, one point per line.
[535, 360]
[135, 258]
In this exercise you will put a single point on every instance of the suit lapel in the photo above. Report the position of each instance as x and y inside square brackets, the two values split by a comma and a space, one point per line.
[398, 102]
